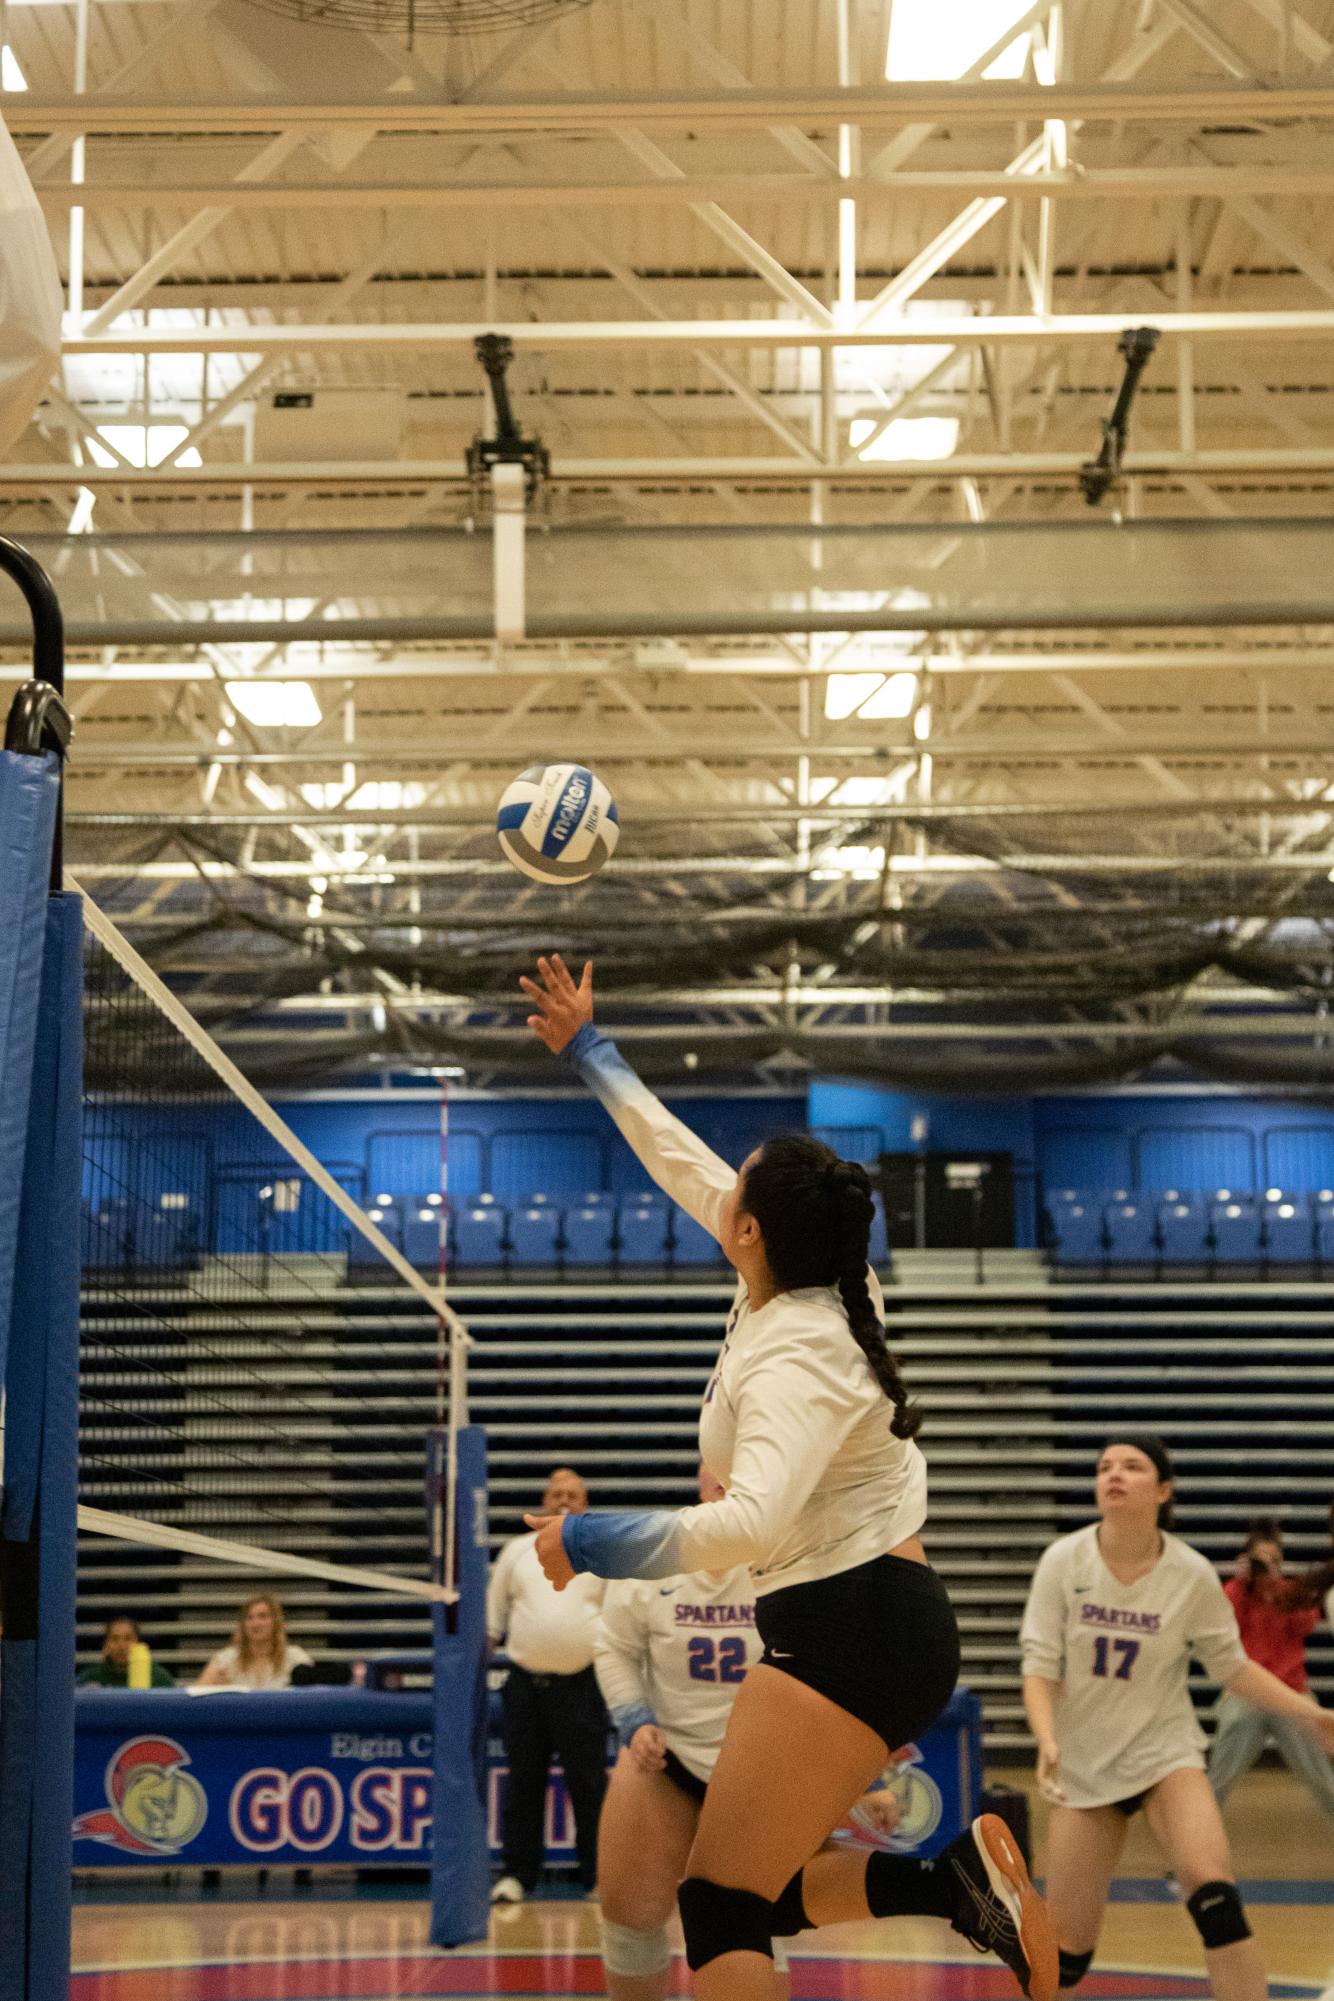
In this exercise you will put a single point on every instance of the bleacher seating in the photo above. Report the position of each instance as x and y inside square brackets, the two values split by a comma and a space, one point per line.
[1020, 1377]
[641, 1233]
[534, 1235]
[692, 1245]
[1132, 1228]
[480, 1235]
[421, 1232]
[1235, 1229]
[590, 1235]
[1290, 1230]
[1183, 1228]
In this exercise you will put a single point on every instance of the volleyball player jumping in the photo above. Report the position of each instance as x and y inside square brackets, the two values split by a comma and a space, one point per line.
[1115, 1614]
[670, 1657]
[826, 1495]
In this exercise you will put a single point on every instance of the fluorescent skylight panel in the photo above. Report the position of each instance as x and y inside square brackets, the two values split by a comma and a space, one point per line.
[11, 76]
[287, 705]
[934, 42]
[869, 696]
[903, 438]
[141, 444]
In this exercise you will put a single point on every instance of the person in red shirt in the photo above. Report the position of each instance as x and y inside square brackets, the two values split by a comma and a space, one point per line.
[1274, 1614]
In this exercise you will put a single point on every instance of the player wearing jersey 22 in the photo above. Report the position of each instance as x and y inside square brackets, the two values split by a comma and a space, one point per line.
[1115, 1614]
[670, 1657]
[807, 1424]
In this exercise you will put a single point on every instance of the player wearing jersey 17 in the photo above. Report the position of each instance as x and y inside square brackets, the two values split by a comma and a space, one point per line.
[1115, 1615]
[808, 1426]
[670, 1657]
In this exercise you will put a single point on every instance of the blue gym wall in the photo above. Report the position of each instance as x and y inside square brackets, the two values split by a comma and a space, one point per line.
[565, 1146]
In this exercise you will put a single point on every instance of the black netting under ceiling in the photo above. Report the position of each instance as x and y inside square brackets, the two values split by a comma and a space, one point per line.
[423, 17]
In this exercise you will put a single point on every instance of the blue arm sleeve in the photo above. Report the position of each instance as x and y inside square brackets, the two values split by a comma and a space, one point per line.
[624, 1545]
[633, 1716]
[690, 1172]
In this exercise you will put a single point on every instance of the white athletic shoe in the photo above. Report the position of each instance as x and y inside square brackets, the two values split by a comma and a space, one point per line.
[509, 1890]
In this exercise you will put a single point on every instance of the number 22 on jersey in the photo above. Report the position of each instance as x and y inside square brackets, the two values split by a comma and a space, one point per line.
[1126, 1652]
[717, 1660]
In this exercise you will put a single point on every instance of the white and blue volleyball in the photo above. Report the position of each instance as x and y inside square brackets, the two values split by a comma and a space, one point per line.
[557, 823]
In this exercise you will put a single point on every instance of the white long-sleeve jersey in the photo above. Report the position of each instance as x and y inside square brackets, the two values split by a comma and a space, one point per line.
[794, 1424]
[674, 1652]
[1121, 1654]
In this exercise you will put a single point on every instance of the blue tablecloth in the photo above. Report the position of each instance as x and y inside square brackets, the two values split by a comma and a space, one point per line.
[320, 1775]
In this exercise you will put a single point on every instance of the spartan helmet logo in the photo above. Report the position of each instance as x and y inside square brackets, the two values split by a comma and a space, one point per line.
[154, 1805]
[918, 1799]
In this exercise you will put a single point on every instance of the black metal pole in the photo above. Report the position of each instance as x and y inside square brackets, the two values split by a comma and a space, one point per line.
[48, 657]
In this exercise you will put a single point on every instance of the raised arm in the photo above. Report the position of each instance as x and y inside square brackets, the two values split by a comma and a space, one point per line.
[792, 1414]
[690, 1172]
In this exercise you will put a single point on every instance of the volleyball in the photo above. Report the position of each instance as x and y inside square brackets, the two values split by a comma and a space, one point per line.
[557, 823]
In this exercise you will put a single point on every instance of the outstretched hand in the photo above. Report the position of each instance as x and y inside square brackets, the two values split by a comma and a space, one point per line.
[562, 1007]
[551, 1549]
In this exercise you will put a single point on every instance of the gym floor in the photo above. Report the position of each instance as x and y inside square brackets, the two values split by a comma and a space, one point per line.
[373, 1946]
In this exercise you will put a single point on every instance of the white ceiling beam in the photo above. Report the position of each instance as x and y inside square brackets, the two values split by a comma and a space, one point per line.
[521, 667]
[745, 392]
[1211, 39]
[714, 63]
[1311, 460]
[1073, 184]
[536, 337]
[994, 103]
[185, 239]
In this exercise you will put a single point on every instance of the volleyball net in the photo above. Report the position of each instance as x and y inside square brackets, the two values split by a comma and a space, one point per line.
[273, 1399]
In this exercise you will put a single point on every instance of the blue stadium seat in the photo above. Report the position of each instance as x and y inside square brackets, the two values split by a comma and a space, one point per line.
[1235, 1226]
[692, 1244]
[387, 1216]
[479, 1234]
[421, 1234]
[108, 1242]
[1290, 1226]
[1323, 1210]
[878, 1248]
[534, 1234]
[641, 1233]
[1078, 1224]
[588, 1235]
[1132, 1225]
[162, 1239]
[1183, 1227]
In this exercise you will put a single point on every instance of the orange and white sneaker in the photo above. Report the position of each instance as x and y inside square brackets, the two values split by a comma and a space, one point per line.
[998, 1910]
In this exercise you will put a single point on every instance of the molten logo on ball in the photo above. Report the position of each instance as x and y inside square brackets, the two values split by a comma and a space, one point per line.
[556, 823]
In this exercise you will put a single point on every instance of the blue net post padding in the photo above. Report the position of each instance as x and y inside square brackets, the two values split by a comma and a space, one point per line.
[37, 1524]
[29, 796]
[460, 1866]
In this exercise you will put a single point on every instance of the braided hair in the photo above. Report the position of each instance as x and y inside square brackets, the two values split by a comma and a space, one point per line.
[814, 1212]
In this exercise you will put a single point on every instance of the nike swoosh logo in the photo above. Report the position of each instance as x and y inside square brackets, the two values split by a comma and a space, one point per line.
[670, 1592]
[1080, 1589]
[774, 1655]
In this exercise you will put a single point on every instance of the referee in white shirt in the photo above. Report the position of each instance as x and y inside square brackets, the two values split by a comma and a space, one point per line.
[551, 1698]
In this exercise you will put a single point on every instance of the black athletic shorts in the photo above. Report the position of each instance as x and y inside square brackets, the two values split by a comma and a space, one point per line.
[880, 1640]
[1131, 1806]
[682, 1776]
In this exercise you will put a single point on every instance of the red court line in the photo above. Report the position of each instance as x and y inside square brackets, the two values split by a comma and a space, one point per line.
[429, 1974]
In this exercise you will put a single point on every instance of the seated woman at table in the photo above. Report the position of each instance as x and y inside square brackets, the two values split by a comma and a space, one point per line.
[112, 1670]
[259, 1655]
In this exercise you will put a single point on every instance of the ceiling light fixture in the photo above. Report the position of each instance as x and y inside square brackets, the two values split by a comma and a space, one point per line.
[287, 705]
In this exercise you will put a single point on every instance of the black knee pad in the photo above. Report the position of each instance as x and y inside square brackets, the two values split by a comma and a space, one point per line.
[718, 1920]
[788, 1914]
[1074, 1965]
[1218, 1914]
